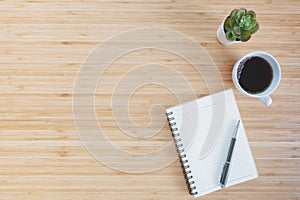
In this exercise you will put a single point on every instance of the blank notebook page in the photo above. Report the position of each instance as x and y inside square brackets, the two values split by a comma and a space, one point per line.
[206, 127]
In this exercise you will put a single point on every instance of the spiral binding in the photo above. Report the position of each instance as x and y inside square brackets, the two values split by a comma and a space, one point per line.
[183, 160]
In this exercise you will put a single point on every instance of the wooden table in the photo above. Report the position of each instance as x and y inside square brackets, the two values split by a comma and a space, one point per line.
[44, 43]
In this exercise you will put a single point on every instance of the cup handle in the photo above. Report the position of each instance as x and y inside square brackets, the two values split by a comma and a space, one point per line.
[266, 100]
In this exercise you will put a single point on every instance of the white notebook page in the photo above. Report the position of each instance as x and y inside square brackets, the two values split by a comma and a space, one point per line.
[196, 123]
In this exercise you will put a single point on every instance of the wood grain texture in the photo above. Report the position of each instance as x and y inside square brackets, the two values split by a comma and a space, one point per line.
[42, 46]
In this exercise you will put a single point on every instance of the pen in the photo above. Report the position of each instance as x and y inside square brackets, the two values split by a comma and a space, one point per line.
[225, 170]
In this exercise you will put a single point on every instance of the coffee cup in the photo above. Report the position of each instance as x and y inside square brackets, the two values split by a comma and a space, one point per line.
[257, 74]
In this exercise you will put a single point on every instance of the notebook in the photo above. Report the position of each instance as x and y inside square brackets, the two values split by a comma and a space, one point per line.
[202, 131]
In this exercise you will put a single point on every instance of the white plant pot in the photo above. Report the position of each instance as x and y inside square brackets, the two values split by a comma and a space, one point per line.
[222, 36]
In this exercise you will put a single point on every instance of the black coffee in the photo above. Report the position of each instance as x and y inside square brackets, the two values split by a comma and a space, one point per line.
[254, 74]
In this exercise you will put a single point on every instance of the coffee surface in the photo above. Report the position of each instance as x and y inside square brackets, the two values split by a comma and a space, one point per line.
[255, 74]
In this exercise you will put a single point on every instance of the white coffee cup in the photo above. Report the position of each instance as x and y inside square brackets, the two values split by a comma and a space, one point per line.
[264, 96]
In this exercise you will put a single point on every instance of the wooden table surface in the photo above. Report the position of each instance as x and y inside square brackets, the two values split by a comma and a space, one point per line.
[44, 43]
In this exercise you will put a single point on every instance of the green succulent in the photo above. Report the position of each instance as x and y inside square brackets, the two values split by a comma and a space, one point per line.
[240, 25]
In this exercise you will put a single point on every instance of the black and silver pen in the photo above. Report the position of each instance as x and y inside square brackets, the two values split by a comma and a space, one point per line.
[225, 170]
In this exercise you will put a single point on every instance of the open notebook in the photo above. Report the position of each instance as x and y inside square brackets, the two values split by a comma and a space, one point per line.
[202, 130]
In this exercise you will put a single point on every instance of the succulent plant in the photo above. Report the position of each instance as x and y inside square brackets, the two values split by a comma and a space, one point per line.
[240, 25]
